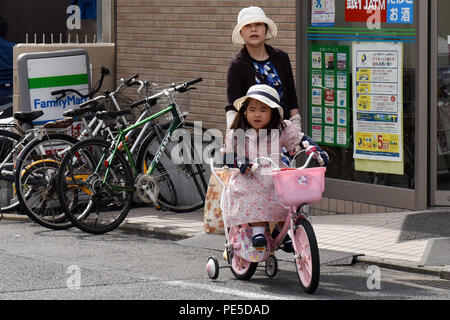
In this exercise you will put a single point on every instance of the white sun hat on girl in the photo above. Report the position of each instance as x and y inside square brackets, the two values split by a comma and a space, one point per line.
[252, 15]
[264, 93]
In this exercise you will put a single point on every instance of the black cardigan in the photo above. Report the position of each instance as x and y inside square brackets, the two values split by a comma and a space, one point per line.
[241, 76]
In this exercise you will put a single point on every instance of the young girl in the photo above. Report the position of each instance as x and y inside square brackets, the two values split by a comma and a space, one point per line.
[251, 197]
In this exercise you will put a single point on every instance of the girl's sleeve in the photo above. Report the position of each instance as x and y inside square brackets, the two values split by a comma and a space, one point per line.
[291, 136]
[228, 143]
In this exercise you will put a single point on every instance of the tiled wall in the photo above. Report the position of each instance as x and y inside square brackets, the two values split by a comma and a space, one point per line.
[335, 206]
[172, 41]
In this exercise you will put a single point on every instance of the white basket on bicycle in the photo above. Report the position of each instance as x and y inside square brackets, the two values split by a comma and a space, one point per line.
[298, 186]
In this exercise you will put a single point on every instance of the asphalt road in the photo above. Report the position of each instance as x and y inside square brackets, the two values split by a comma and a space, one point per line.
[42, 264]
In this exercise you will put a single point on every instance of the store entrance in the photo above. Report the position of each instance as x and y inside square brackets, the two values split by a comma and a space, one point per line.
[440, 104]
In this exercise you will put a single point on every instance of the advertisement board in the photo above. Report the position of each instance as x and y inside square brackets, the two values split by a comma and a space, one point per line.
[330, 94]
[44, 72]
[378, 101]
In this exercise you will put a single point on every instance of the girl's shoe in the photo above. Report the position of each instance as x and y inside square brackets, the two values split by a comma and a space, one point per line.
[287, 244]
[287, 241]
[259, 241]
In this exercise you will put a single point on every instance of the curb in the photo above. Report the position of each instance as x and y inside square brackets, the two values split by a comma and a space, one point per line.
[404, 266]
[145, 229]
[14, 217]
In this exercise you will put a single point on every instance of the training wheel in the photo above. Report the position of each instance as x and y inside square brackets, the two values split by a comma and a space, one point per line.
[212, 268]
[271, 266]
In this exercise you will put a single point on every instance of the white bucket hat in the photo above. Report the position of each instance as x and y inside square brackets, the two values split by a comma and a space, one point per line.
[251, 15]
[264, 93]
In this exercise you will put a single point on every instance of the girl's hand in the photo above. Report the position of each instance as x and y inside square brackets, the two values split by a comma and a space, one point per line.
[243, 164]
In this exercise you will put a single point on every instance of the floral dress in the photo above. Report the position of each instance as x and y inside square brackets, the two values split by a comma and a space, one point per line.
[252, 198]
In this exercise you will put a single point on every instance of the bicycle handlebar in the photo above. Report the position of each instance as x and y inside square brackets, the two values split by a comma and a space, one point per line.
[255, 163]
[179, 88]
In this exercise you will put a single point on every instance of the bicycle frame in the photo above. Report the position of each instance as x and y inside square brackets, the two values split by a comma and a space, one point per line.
[121, 140]
[289, 222]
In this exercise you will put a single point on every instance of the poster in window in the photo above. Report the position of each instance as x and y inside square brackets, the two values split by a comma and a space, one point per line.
[323, 13]
[330, 95]
[378, 101]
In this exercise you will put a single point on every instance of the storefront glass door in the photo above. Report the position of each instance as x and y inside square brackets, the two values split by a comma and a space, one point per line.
[440, 104]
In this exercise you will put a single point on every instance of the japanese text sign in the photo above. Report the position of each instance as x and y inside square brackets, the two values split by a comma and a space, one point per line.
[390, 11]
[400, 11]
[362, 10]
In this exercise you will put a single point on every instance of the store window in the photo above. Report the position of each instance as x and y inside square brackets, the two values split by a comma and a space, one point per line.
[362, 88]
[82, 21]
[443, 97]
[51, 21]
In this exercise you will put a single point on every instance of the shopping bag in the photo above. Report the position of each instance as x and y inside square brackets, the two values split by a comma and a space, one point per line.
[212, 216]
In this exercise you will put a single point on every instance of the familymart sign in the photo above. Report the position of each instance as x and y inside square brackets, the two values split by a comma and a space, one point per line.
[42, 73]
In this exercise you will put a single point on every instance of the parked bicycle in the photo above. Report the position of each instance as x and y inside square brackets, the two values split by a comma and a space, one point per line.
[14, 138]
[97, 178]
[37, 164]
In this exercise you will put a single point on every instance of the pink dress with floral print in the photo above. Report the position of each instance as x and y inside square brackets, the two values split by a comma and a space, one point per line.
[252, 198]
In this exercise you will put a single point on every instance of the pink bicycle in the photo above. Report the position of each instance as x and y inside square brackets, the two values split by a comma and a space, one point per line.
[296, 189]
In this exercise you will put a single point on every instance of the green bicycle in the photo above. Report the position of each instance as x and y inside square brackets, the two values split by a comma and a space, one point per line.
[96, 180]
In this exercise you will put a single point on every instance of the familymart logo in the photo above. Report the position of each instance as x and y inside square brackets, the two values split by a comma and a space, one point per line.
[54, 82]
[70, 101]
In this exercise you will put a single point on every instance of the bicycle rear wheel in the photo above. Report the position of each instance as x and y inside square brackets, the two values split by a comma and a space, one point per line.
[241, 268]
[307, 262]
[95, 195]
[36, 170]
[8, 196]
[183, 164]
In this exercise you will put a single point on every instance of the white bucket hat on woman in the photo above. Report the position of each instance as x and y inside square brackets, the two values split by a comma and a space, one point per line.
[264, 93]
[251, 15]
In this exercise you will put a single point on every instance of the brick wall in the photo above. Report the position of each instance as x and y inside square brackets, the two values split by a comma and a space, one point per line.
[177, 40]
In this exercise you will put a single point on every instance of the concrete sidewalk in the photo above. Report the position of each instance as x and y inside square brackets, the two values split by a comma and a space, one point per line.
[408, 241]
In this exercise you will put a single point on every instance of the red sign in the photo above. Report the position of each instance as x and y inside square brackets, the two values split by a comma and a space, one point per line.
[365, 10]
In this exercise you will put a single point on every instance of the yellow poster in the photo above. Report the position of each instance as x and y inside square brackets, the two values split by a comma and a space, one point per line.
[376, 143]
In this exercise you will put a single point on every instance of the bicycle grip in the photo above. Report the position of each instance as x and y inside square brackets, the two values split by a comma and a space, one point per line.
[86, 103]
[190, 83]
[54, 93]
[127, 83]
[138, 103]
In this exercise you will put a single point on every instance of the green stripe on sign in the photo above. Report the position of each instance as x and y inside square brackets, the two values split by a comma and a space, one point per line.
[59, 81]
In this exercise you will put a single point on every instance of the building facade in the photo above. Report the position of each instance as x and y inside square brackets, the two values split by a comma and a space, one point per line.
[371, 76]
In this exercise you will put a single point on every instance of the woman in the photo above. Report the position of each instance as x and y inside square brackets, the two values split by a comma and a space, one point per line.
[259, 63]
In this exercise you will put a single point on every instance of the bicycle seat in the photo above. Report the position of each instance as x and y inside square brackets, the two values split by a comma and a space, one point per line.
[105, 115]
[76, 113]
[27, 116]
[60, 124]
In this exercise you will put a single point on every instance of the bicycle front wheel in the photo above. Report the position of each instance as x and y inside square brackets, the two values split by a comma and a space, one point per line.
[36, 170]
[182, 164]
[95, 194]
[307, 260]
